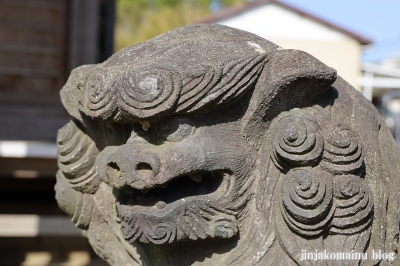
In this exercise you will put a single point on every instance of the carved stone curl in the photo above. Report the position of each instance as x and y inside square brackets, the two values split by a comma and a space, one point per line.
[296, 139]
[330, 197]
[354, 205]
[343, 149]
[307, 197]
[76, 156]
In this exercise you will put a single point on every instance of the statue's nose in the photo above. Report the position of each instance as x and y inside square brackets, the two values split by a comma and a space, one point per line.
[125, 166]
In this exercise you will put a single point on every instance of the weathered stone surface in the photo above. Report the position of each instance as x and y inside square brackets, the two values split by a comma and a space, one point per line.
[212, 146]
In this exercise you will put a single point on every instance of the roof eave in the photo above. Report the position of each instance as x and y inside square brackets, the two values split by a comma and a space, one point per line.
[231, 12]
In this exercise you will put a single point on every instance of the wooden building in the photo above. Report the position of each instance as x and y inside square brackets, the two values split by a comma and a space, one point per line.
[40, 42]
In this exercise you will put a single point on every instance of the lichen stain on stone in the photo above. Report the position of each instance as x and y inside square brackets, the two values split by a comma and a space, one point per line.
[145, 125]
[258, 47]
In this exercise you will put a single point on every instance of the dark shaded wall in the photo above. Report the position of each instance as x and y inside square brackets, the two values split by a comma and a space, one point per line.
[41, 41]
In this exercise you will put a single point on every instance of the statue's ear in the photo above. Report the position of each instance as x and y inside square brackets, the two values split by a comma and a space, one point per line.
[290, 79]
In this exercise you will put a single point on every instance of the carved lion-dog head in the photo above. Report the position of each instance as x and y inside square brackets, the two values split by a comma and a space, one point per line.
[209, 145]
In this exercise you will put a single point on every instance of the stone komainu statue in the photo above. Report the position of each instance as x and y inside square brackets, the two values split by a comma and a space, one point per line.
[208, 145]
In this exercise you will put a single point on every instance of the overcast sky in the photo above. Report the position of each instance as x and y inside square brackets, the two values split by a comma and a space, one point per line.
[378, 20]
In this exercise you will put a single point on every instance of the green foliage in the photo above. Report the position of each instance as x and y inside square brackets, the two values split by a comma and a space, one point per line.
[140, 20]
[227, 3]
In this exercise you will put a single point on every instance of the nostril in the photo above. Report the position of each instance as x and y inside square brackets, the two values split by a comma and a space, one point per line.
[113, 172]
[144, 170]
[143, 166]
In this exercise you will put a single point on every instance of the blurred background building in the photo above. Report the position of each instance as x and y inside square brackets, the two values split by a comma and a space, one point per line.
[381, 85]
[292, 28]
[42, 40]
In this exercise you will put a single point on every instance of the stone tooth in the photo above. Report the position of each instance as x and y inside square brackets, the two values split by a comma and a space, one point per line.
[196, 177]
[161, 205]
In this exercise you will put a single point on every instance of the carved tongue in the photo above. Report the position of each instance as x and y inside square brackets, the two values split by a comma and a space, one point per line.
[196, 177]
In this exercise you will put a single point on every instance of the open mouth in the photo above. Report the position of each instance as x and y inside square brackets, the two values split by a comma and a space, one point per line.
[188, 207]
[197, 184]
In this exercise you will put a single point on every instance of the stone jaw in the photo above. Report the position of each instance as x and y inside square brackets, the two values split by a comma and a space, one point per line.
[214, 155]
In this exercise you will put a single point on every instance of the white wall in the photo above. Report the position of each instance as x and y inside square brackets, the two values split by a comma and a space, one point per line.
[293, 31]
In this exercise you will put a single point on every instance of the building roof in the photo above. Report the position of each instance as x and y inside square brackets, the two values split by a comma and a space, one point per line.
[381, 69]
[231, 12]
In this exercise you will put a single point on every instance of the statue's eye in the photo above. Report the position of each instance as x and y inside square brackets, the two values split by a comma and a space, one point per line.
[175, 129]
[117, 134]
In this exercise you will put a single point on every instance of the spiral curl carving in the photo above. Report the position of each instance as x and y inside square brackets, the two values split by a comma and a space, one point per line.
[343, 151]
[154, 91]
[130, 229]
[149, 92]
[137, 93]
[354, 205]
[98, 95]
[76, 156]
[307, 197]
[193, 222]
[296, 139]
[162, 233]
